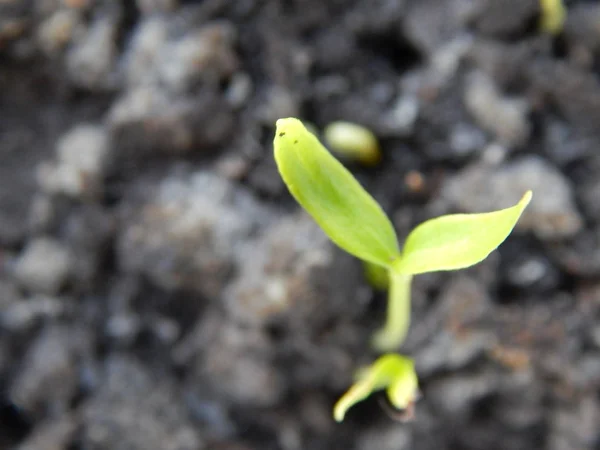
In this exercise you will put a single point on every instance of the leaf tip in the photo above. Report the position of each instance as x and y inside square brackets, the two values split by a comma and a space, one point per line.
[339, 412]
[285, 122]
[526, 199]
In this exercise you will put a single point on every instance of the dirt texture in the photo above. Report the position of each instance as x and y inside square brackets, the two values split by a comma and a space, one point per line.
[161, 290]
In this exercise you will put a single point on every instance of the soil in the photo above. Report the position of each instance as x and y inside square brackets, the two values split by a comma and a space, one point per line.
[160, 289]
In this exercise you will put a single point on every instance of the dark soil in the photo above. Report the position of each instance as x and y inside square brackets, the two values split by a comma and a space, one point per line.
[159, 288]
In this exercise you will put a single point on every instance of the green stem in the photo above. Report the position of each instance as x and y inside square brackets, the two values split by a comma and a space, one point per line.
[391, 336]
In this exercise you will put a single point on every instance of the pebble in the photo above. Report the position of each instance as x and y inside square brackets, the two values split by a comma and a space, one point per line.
[466, 139]
[448, 351]
[401, 119]
[391, 437]
[580, 28]
[26, 313]
[505, 117]
[287, 276]
[533, 271]
[81, 156]
[188, 235]
[458, 394]
[48, 378]
[205, 54]
[58, 30]
[123, 328]
[506, 17]
[155, 7]
[575, 426]
[178, 61]
[44, 265]
[51, 434]
[91, 61]
[143, 51]
[146, 121]
[239, 368]
[134, 408]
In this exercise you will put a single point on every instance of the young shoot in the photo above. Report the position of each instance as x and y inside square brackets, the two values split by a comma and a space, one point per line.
[394, 373]
[352, 142]
[354, 221]
[553, 15]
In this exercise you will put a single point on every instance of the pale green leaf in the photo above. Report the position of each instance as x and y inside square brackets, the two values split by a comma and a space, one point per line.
[457, 241]
[332, 196]
[392, 372]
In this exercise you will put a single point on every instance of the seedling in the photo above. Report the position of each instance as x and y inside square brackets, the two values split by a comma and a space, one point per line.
[394, 373]
[354, 221]
[352, 142]
[553, 15]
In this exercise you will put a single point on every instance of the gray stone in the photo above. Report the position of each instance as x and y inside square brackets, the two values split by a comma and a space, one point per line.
[155, 7]
[529, 269]
[575, 92]
[178, 60]
[188, 236]
[91, 60]
[429, 24]
[204, 54]
[287, 276]
[447, 351]
[457, 394]
[143, 51]
[25, 313]
[239, 90]
[565, 144]
[580, 26]
[276, 103]
[44, 265]
[450, 335]
[391, 437]
[123, 327]
[81, 156]
[133, 409]
[505, 17]
[466, 139]
[147, 121]
[48, 377]
[51, 435]
[239, 367]
[402, 117]
[575, 426]
[276, 272]
[505, 117]
[60, 29]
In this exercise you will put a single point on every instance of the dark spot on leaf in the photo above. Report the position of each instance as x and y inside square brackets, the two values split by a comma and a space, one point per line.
[282, 134]
[296, 141]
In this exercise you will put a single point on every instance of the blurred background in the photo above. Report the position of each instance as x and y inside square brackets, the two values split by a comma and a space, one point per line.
[160, 289]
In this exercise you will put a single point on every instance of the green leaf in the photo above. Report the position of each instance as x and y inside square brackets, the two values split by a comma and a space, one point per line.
[392, 372]
[332, 196]
[457, 241]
